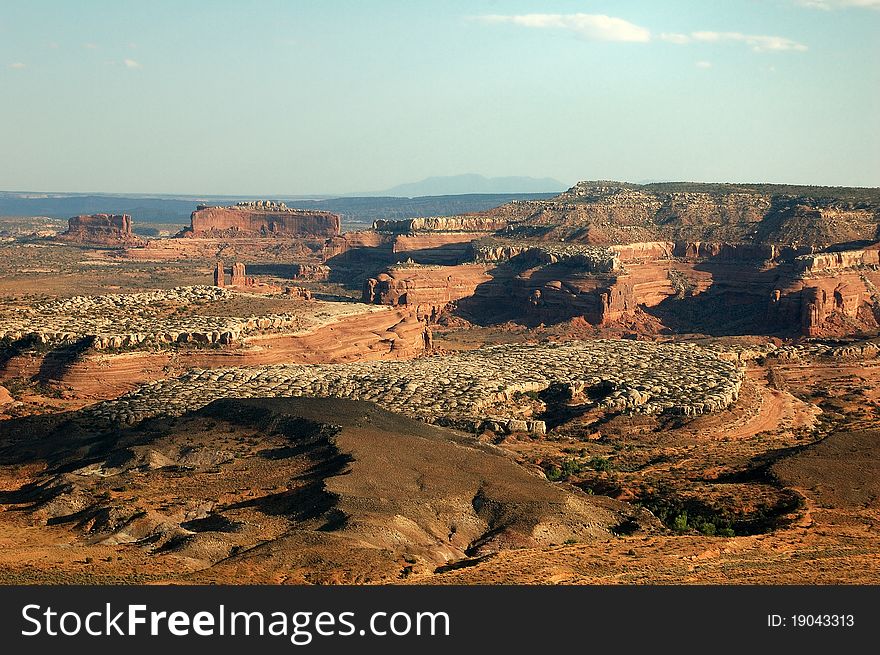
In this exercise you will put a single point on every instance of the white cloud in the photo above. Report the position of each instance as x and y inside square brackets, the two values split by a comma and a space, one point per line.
[17, 65]
[592, 26]
[674, 37]
[703, 64]
[839, 4]
[758, 42]
[608, 28]
[131, 63]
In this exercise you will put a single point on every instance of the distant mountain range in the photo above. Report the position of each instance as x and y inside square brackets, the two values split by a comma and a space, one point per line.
[472, 183]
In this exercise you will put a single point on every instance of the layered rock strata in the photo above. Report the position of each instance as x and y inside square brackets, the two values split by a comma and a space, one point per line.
[260, 219]
[474, 223]
[428, 288]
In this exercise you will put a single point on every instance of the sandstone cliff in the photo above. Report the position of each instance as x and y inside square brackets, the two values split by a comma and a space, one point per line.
[260, 219]
[466, 223]
[429, 289]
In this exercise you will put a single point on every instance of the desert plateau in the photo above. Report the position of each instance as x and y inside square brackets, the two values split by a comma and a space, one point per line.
[416, 310]
[662, 383]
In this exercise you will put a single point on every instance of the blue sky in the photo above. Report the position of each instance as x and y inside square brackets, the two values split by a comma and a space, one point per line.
[271, 98]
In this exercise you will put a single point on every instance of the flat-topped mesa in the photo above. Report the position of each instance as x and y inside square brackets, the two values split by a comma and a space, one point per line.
[101, 230]
[260, 218]
[621, 213]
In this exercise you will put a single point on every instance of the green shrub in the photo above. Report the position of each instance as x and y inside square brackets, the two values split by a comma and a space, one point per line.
[680, 524]
[600, 464]
[553, 473]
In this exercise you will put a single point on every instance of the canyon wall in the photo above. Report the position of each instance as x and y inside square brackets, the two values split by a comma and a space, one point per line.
[688, 286]
[428, 288]
[357, 240]
[839, 260]
[467, 223]
[714, 257]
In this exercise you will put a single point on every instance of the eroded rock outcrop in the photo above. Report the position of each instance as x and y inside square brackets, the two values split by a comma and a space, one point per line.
[101, 230]
[219, 275]
[298, 292]
[118, 321]
[428, 288]
[311, 272]
[260, 218]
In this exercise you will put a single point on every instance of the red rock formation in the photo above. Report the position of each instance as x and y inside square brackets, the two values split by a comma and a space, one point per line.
[239, 276]
[428, 288]
[359, 239]
[834, 305]
[427, 247]
[298, 292]
[436, 247]
[101, 230]
[434, 240]
[610, 213]
[260, 219]
[219, 275]
[311, 272]
[834, 261]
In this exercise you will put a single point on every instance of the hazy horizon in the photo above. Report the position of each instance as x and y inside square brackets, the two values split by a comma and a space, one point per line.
[368, 194]
[338, 98]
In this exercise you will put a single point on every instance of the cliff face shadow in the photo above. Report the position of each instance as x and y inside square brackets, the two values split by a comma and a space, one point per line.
[737, 302]
[9, 349]
[284, 271]
[494, 301]
[58, 361]
[50, 438]
[352, 268]
[449, 254]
